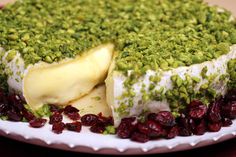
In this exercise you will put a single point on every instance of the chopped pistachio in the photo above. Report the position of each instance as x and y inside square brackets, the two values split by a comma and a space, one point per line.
[43, 111]
[109, 130]
[204, 71]
[10, 56]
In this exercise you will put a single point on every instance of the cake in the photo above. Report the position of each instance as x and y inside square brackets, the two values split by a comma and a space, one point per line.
[153, 55]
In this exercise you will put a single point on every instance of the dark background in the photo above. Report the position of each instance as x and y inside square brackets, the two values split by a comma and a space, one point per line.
[10, 148]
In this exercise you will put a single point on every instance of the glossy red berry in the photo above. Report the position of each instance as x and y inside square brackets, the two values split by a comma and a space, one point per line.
[37, 123]
[173, 132]
[56, 117]
[165, 118]
[58, 127]
[139, 137]
[214, 115]
[75, 126]
[89, 119]
[214, 127]
[197, 110]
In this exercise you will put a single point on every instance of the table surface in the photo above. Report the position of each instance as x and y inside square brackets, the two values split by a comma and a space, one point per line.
[10, 148]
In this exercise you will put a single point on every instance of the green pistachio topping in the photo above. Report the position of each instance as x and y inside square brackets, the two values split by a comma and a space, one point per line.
[148, 34]
[232, 73]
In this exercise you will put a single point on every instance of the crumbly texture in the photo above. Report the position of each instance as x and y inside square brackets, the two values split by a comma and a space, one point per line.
[149, 34]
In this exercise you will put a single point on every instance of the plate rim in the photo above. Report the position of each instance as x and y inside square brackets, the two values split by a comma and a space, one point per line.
[115, 151]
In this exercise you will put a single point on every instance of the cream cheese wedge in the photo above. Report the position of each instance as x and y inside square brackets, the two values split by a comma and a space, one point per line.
[59, 83]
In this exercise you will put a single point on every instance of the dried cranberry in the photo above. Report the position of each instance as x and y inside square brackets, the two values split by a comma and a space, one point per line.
[214, 127]
[184, 131]
[184, 125]
[54, 108]
[98, 128]
[14, 115]
[73, 116]
[231, 95]
[143, 128]
[16, 101]
[139, 137]
[226, 122]
[105, 120]
[200, 128]
[173, 132]
[28, 115]
[55, 118]
[126, 127]
[228, 110]
[165, 118]
[89, 119]
[58, 127]
[70, 109]
[192, 124]
[3, 108]
[129, 120]
[183, 120]
[155, 130]
[152, 116]
[197, 109]
[37, 123]
[75, 126]
[214, 112]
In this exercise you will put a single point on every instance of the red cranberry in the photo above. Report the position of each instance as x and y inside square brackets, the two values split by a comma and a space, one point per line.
[129, 120]
[3, 108]
[200, 128]
[54, 108]
[105, 120]
[214, 127]
[184, 131]
[139, 137]
[73, 116]
[14, 115]
[226, 122]
[192, 124]
[143, 128]
[16, 101]
[231, 95]
[173, 132]
[152, 116]
[197, 110]
[155, 130]
[228, 110]
[184, 125]
[56, 117]
[70, 109]
[58, 127]
[98, 128]
[126, 127]
[89, 119]
[165, 118]
[183, 120]
[75, 126]
[37, 123]
[28, 115]
[214, 112]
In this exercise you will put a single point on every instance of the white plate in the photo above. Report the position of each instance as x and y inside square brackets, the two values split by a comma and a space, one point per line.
[108, 144]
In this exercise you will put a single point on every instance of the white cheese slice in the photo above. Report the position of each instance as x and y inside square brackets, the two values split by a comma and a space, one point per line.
[115, 87]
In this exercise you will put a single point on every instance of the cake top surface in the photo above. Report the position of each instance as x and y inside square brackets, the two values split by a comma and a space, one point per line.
[153, 34]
